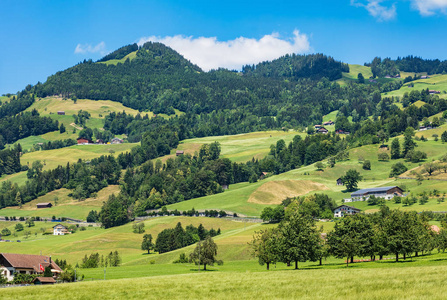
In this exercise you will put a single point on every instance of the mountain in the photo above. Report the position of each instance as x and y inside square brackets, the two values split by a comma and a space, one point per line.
[155, 77]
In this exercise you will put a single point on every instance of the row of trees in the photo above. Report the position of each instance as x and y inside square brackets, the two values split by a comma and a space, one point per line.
[94, 260]
[296, 239]
[175, 238]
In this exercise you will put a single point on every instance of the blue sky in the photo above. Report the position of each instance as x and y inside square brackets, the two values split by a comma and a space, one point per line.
[39, 38]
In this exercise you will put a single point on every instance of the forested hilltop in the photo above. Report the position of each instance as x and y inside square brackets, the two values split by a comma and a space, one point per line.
[295, 88]
[387, 66]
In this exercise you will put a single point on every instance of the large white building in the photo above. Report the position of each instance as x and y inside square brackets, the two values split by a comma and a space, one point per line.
[386, 192]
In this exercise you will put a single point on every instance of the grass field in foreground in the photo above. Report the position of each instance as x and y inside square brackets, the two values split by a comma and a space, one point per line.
[419, 282]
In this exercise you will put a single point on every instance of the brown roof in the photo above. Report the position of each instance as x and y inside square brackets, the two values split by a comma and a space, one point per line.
[45, 279]
[27, 261]
[44, 203]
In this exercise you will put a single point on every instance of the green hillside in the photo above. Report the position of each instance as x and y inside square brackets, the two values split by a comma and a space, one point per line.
[436, 82]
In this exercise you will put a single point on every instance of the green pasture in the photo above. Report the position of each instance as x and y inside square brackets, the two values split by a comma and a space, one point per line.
[60, 157]
[51, 105]
[129, 56]
[235, 199]
[435, 82]
[240, 147]
[354, 70]
[63, 205]
[405, 280]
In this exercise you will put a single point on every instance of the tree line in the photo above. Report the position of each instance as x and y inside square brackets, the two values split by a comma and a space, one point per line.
[297, 239]
[175, 238]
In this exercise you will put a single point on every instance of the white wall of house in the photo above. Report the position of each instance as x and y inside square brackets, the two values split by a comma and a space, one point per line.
[8, 273]
[58, 230]
[343, 211]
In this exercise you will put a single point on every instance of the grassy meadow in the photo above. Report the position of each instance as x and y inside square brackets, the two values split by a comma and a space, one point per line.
[435, 82]
[274, 189]
[425, 282]
[60, 157]
[239, 147]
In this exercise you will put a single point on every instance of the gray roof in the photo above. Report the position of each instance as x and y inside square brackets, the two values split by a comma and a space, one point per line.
[371, 190]
[352, 207]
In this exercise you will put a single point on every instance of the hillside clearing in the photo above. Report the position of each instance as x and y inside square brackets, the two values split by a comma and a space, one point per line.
[274, 192]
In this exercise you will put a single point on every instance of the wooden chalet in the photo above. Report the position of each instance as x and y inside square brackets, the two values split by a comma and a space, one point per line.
[44, 205]
[263, 175]
[61, 112]
[116, 141]
[339, 181]
[179, 152]
[322, 130]
[84, 141]
[328, 123]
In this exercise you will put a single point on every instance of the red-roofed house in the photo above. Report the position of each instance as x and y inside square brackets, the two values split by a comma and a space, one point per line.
[11, 264]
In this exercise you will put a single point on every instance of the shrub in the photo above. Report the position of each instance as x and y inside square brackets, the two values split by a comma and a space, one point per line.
[6, 232]
[366, 165]
[415, 156]
[383, 156]
[397, 169]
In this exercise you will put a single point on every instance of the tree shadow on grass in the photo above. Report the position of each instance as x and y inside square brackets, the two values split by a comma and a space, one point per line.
[202, 270]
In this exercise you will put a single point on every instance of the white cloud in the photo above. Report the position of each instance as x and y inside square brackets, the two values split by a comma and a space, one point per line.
[377, 9]
[87, 48]
[209, 53]
[429, 7]
[383, 11]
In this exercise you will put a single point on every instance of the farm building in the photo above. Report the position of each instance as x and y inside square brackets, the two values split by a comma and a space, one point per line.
[317, 126]
[328, 123]
[339, 181]
[44, 205]
[341, 131]
[60, 229]
[84, 141]
[11, 264]
[61, 112]
[322, 130]
[387, 192]
[344, 210]
[179, 152]
[44, 280]
[425, 77]
[116, 141]
[99, 141]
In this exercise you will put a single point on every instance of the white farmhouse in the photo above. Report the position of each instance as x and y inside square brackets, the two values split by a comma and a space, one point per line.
[60, 229]
[344, 210]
